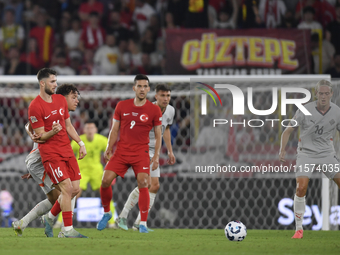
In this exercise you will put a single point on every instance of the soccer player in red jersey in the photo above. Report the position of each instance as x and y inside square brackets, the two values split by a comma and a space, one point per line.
[56, 153]
[134, 118]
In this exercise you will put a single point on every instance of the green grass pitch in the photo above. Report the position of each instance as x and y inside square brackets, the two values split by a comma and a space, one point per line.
[169, 241]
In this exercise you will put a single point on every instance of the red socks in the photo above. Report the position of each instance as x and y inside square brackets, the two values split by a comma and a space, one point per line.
[56, 209]
[106, 196]
[67, 218]
[143, 203]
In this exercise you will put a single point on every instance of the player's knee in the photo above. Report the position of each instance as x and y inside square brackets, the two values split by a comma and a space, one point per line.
[154, 187]
[301, 190]
[75, 191]
[142, 182]
[106, 183]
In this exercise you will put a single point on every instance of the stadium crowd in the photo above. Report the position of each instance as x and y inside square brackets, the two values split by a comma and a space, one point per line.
[118, 37]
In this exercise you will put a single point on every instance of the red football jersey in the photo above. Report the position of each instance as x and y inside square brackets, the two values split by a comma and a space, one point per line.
[135, 125]
[43, 114]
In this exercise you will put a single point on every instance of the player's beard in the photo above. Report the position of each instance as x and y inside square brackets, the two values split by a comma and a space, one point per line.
[48, 91]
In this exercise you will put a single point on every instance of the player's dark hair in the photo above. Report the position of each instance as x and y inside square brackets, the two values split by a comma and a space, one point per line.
[90, 122]
[66, 89]
[45, 73]
[162, 87]
[140, 77]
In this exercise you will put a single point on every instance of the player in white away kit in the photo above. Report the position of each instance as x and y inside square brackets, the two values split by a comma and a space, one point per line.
[163, 95]
[36, 169]
[315, 149]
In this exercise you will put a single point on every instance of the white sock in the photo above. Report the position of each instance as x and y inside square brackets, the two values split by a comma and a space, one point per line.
[152, 201]
[299, 211]
[68, 228]
[130, 203]
[39, 210]
[51, 216]
[143, 223]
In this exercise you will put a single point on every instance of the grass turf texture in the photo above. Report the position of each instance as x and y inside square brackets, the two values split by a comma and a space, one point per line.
[169, 241]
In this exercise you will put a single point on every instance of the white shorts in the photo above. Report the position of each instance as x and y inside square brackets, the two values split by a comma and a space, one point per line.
[36, 168]
[305, 166]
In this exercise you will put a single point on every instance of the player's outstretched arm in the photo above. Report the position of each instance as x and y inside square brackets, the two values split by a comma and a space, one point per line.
[158, 137]
[74, 135]
[167, 140]
[112, 139]
[284, 140]
[44, 136]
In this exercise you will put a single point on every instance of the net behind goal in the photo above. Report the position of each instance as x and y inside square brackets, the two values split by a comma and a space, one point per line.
[187, 199]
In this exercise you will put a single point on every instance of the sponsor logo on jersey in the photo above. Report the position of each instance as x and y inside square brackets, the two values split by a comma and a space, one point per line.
[134, 113]
[144, 117]
[125, 114]
[145, 168]
[47, 117]
[61, 111]
[33, 119]
[160, 119]
[54, 112]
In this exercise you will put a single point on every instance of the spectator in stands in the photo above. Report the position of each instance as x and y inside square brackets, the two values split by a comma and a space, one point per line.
[225, 20]
[11, 34]
[116, 28]
[133, 59]
[18, 7]
[308, 19]
[335, 71]
[249, 16]
[155, 27]
[271, 12]
[88, 63]
[178, 9]
[288, 20]
[15, 66]
[32, 55]
[196, 14]
[142, 15]
[148, 44]
[157, 56]
[62, 68]
[88, 7]
[93, 35]
[169, 21]
[324, 12]
[107, 57]
[327, 54]
[146, 67]
[44, 34]
[214, 8]
[72, 38]
[332, 30]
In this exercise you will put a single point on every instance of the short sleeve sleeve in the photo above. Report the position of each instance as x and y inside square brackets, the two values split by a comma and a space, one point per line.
[297, 119]
[35, 117]
[157, 120]
[117, 114]
[172, 116]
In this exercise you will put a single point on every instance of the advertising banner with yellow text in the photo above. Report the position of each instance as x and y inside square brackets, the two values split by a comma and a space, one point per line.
[238, 52]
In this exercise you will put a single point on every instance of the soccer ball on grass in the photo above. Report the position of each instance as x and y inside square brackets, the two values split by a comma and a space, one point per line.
[235, 231]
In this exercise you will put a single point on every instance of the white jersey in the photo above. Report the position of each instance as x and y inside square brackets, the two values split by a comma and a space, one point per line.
[167, 119]
[317, 131]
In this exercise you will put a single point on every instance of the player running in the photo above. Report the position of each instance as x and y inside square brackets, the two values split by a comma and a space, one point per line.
[315, 148]
[134, 118]
[36, 169]
[163, 95]
[56, 154]
[91, 168]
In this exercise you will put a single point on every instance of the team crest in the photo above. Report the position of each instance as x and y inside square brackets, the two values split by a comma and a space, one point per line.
[61, 111]
[144, 117]
[33, 119]
[332, 122]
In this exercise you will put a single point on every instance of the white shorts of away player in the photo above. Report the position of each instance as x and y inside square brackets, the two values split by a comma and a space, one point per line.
[36, 168]
[305, 166]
